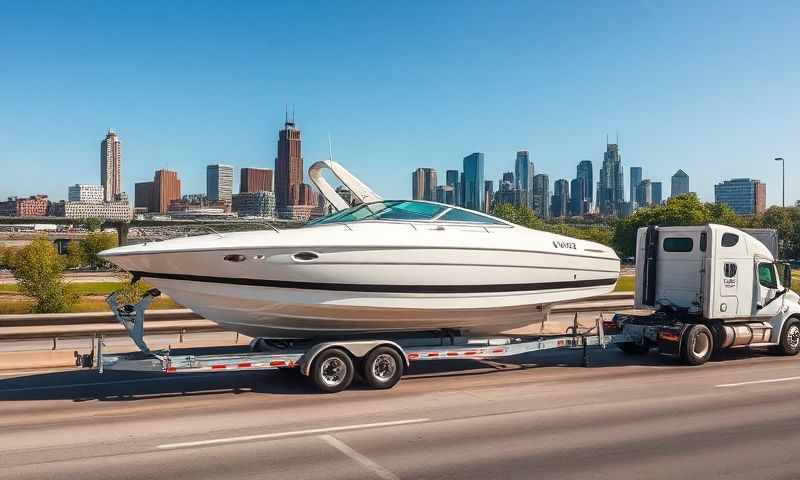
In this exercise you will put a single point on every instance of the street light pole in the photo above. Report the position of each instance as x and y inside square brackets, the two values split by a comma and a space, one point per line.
[783, 180]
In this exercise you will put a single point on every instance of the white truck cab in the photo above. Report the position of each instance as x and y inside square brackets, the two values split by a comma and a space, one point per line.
[711, 287]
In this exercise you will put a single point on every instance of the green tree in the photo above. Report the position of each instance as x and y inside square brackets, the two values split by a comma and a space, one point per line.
[75, 257]
[38, 269]
[93, 224]
[95, 243]
[7, 257]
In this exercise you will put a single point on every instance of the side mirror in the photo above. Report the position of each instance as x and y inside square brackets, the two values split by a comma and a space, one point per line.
[787, 275]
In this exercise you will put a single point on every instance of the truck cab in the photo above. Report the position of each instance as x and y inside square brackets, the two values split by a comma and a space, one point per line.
[711, 284]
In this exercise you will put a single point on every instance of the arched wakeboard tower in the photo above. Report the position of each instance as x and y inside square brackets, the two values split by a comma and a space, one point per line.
[350, 181]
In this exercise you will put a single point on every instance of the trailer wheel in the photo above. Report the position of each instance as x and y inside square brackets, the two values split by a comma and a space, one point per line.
[332, 371]
[632, 348]
[697, 345]
[790, 339]
[382, 368]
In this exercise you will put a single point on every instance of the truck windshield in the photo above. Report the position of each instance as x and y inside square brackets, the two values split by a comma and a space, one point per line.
[766, 275]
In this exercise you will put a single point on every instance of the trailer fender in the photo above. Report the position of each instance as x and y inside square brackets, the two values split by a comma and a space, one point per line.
[355, 348]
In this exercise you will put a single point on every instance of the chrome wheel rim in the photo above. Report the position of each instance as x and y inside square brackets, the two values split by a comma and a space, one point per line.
[384, 367]
[793, 336]
[333, 371]
[701, 345]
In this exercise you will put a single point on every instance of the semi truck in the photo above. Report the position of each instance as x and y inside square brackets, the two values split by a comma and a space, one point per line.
[708, 288]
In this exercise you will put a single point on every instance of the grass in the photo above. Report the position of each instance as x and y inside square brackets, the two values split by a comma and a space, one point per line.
[81, 288]
[625, 284]
[84, 305]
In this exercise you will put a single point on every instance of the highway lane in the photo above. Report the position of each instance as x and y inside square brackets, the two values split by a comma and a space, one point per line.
[640, 417]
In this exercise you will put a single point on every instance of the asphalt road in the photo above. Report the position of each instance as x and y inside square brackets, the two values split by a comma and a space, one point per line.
[545, 417]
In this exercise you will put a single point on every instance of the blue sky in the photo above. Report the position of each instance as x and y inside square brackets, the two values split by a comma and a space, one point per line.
[709, 87]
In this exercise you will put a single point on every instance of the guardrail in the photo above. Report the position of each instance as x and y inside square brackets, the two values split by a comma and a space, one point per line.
[185, 321]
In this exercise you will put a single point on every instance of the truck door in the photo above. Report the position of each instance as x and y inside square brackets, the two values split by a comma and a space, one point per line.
[767, 288]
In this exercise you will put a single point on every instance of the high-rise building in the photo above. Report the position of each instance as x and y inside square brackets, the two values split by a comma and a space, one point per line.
[111, 166]
[103, 211]
[473, 181]
[452, 180]
[636, 179]
[86, 193]
[560, 200]
[445, 194]
[578, 202]
[585, 172]
[509, 177]
[610, 187]
[523, 171]
[745, 196]
[166, 188]
[288, 166]
[488, 195]
[219, 183]
[680, 184]
[644, 194]
[307, 195]
[541, 195]
[260, 203]
[657, 196]
[423, 184]
[143, 195]
[255, 180]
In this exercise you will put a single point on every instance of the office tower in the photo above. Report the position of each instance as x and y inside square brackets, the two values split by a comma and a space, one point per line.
[509, 177]
[523, 171]
[745, 196]
[255, 180]
[578, 202]
[143, 195]
[461, 188]
[111, 166]
[560, 205]
[657, 198]
[166, 188]
[488, 195]
[636, 179]
[610, 191]
[219, 183]
[680, 184]
[86, 193]
[452, 180]
[473, 181]
[288, 165]
[445, 194]
[644, 194]
[307, 195]
[423, 184]
[541, 195]
[585, 172]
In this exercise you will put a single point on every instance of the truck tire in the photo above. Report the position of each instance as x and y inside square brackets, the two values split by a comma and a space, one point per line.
[790, 338]
[697, 345]
[332, 371]
[632, 348]
[382, 368]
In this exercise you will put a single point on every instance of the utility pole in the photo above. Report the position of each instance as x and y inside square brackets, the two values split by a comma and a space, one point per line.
[783, 180]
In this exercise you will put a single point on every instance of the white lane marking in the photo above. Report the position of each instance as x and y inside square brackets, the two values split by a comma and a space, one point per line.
[270, 436]
[94, 384]
[756, 382]
[364, 461]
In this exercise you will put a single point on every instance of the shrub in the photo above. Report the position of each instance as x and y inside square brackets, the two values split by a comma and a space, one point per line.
[38, 269]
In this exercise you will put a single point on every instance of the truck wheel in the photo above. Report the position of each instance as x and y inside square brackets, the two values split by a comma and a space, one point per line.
[332, 371]
[382, 368]
[790, 339]
[697, 345]
[633, 348]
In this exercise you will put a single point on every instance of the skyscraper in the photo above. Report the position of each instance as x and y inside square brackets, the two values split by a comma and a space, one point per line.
[644, 193]
[541, 195]
[680, 184]
[657, 198]
[509, 177]
[288, 166]
[585, 171]
[111, 166]
[523, 172]
[578, 203]
[560, 205]
[166, 188]
[745, 196]
[452, 180]
[473, 181]
[445, 194]
[423, 184]
[636, 178]
[488, 195]
[219, 183]
[255, 180]
[610, 190]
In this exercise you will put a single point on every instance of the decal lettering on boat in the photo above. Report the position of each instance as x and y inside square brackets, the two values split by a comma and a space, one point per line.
[562, 244]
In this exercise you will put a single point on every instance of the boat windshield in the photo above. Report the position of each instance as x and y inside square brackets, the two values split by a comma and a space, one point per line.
[404, 210]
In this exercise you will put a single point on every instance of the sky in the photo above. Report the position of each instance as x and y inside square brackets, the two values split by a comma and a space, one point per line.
[709, 87]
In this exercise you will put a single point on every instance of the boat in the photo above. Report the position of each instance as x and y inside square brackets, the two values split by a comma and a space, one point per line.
[379, 267]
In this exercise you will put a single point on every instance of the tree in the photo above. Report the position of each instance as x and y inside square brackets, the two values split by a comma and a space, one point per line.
[37, 268]
[93, 244]
[93, 224]
[7, 257]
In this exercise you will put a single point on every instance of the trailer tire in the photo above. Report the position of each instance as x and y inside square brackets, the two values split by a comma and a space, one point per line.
[632, 348]
[382, 368]
[697, 345]
[332, 370]
[790, 338]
